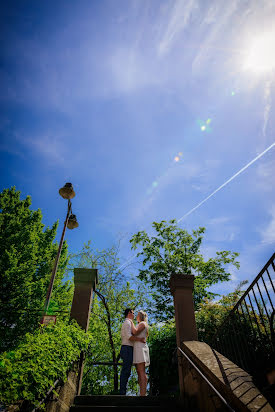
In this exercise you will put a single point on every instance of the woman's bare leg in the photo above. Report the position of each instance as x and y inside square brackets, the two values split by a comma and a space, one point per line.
[138, 373]
[142, 378]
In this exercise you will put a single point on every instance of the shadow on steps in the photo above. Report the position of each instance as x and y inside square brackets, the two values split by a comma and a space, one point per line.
[84, 403]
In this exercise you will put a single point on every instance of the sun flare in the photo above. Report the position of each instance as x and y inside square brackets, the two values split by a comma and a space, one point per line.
[260, 56]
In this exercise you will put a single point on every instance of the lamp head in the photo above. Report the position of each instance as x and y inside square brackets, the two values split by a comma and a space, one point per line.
[67, 191]
[72, 222]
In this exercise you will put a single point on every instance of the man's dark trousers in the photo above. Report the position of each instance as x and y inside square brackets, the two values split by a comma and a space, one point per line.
[126, 354]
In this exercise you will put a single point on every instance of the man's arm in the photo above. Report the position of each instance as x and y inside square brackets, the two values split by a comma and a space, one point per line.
[129, 334]
[137, 339]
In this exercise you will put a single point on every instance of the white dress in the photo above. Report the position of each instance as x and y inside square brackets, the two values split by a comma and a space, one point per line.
[141, 350]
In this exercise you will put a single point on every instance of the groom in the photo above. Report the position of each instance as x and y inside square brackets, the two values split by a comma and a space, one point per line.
[126, 352]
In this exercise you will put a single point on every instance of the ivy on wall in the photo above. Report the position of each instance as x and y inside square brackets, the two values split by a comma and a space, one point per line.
[28, 372]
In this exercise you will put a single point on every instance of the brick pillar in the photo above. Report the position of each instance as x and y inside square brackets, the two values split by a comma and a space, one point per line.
[181, 287]
[85, 281]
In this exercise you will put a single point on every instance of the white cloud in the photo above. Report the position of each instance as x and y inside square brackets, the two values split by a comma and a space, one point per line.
[130, 70]
[218, 220]
[266, 170]
[208, 251]
[179, 18]
[267, 104]
[51, 148]
[222, 229]
[265, 176]
[268, 233]
[220, 14]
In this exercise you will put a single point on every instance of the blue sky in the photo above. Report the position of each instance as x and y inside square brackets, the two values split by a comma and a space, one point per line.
[146, 107]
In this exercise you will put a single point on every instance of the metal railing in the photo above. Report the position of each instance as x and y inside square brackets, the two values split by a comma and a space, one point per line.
[247, 334]
[207, 381]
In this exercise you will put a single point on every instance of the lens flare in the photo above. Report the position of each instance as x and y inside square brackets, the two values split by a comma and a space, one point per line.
[205, 125]
[156, 183]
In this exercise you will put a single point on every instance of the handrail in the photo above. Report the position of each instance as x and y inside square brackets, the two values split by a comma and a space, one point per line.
[270, 261]
[256, 279]
[47, 394]
[252, 314]
[207, 381]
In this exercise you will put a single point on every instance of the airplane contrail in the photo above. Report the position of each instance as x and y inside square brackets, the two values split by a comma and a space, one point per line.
[212, 194]
[229, 180]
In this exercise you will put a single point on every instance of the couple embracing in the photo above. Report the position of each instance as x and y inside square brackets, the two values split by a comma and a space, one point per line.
[134, 349]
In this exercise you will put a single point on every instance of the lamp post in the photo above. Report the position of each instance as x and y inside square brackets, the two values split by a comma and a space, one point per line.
[67, 192]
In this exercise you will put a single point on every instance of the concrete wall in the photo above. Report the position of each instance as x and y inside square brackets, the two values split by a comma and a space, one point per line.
[232, 382]
[66, 393]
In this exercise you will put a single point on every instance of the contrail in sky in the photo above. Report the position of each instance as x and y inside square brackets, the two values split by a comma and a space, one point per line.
[212, 194]
[229, 180]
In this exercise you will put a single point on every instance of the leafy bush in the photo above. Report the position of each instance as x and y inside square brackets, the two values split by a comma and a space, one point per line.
[211, 314]
[163, 367]
[27, 372]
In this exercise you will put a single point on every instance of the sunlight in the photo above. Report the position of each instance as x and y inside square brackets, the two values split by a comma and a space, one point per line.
[260, 56]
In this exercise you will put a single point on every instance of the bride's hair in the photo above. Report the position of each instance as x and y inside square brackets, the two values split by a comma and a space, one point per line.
[144, 318]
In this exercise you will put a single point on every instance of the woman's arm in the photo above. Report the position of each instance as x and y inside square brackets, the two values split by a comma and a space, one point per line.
[140, 327]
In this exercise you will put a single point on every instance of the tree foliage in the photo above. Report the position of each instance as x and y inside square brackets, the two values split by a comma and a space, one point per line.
[211, 314]
[174, 250]
[27, 253]
[44, 356]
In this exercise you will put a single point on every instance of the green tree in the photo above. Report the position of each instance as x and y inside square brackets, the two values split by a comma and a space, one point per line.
[27, 253]
[174, 250]
[112, 295]
[211, 314]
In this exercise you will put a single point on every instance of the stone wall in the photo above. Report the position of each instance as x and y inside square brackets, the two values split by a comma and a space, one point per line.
[65, 394]
[233, 383]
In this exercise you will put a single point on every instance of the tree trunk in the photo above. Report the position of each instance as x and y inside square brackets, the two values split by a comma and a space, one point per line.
[108, 323]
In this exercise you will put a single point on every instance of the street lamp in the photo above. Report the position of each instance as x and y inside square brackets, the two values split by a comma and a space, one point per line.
[67, 192]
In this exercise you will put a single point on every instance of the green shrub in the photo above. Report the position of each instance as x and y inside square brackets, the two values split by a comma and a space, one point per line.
[163, 367]
[27, 372]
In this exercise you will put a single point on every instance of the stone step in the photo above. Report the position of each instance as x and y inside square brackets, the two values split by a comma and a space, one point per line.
[85, 403]
[125, 408]
[114, 400]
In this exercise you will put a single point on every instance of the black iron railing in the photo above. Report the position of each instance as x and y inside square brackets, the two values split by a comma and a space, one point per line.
[247, 335]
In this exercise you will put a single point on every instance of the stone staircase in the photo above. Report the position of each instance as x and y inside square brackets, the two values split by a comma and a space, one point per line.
[84, 403]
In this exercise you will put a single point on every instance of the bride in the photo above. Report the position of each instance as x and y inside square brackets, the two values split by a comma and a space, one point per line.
[141, 356]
